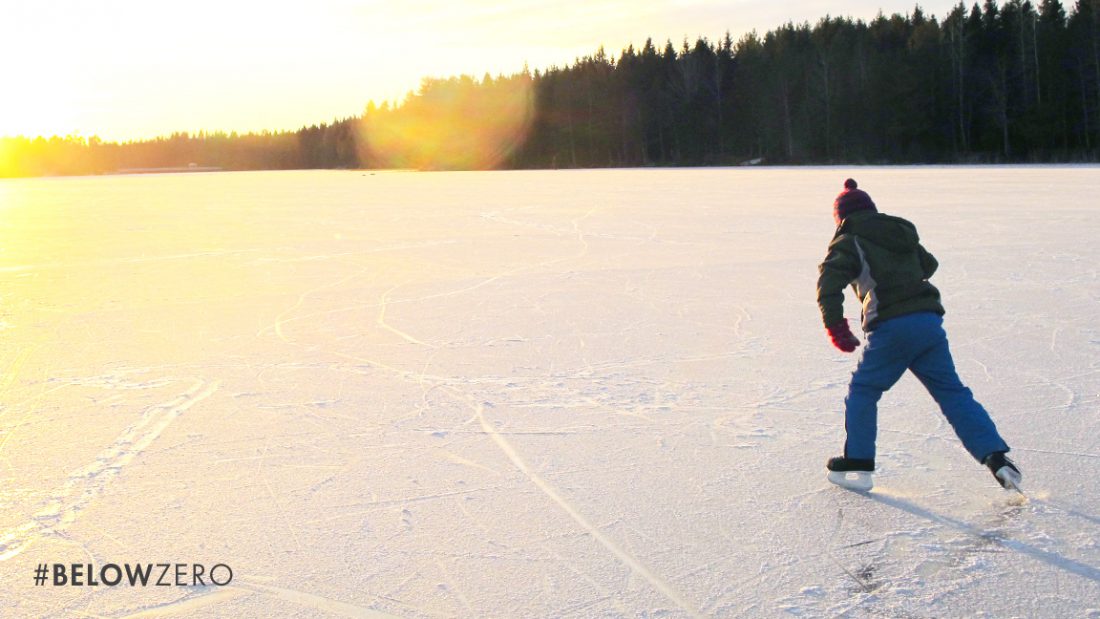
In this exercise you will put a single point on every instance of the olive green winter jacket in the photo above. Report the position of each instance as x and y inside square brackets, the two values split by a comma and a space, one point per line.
[883, 260]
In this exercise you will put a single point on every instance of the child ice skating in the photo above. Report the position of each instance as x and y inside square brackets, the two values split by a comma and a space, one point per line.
[882, 259]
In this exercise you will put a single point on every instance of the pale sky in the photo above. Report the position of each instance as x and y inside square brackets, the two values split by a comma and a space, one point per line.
[130, 69]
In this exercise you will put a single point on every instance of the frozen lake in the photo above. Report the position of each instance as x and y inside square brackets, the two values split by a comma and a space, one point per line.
[533, 394]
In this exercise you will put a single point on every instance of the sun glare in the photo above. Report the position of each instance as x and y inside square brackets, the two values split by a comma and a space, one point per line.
[451, 124]
[7, 167]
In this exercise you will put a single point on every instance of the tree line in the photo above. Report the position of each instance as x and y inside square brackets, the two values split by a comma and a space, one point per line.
[993, 82]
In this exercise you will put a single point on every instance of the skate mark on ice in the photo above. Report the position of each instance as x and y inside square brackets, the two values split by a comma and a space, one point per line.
[188, 604]
[383, 304]
[448, 587]
[284, 317]
[67, 266]
[357, 510]
[627, 559]
[457, 459]
[1050, 558]
[1075, 454]
[1070, 510]
[86, 483]
[863, 577]
[262, 474]
[316, 602]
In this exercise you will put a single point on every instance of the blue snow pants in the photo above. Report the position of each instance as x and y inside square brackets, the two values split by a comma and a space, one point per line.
[918, 343]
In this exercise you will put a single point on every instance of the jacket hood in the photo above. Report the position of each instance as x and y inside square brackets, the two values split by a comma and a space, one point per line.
[888, 232]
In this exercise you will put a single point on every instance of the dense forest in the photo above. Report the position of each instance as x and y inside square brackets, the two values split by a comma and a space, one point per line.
[995, 82]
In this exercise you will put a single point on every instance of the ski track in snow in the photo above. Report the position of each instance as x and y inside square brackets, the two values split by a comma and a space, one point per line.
[646, 434]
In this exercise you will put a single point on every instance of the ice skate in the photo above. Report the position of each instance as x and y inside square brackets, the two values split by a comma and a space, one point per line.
[1004, 470]
[851, 473]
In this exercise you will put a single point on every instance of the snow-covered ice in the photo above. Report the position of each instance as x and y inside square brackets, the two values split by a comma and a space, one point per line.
[533, 394]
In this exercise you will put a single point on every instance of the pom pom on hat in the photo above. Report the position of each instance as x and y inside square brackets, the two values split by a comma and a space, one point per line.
[850, 200]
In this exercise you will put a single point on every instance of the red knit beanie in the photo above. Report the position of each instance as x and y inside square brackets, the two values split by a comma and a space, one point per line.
[850, 200]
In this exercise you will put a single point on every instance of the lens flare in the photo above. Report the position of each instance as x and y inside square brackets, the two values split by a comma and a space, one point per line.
[453, 124]
[7, 157]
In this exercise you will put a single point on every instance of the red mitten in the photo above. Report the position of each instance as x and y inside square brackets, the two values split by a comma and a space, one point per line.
[842, 336]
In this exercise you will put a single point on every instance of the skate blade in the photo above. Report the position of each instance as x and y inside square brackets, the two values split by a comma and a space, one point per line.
[852, 480]
[1010, 479]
